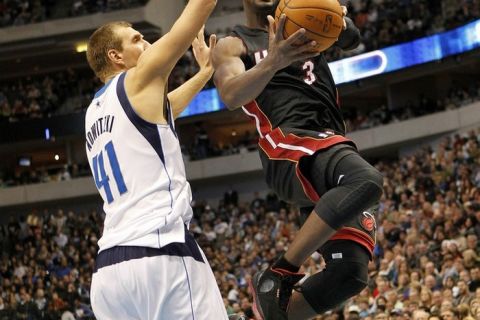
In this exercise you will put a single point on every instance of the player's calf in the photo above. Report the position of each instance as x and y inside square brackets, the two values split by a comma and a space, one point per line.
[345, 276]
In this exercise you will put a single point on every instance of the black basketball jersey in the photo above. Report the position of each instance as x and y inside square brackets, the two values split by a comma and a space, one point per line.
[301, 96]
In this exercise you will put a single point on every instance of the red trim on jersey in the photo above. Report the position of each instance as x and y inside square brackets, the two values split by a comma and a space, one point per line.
[278, 146]
[265, 125]
[362, 238]
[307, 186]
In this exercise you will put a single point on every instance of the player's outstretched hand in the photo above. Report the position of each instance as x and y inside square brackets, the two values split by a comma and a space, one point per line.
[283, 52]
[202, 52]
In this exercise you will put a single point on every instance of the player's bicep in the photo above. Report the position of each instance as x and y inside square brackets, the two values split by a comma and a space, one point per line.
[227, 61]
[160, 58]
[227, 70]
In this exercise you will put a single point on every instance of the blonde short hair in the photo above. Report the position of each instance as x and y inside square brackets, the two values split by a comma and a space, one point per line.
[99, 43]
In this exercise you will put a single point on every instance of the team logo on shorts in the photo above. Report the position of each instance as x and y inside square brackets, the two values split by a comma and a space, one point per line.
[368, 221]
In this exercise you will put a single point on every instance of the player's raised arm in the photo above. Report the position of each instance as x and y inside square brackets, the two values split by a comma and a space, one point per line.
[160, 58]
[238, 87]
[183, 95]
[349, 38]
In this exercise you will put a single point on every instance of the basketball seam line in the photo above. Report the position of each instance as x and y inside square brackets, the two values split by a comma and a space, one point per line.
[308, 30]
[294, 8]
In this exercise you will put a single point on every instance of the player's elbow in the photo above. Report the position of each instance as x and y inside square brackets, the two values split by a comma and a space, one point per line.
[349, 38]
[230, 101]
[352, 42]
[228, 96]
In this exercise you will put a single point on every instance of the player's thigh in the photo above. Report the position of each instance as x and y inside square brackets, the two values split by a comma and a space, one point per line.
[109, 294]
[195, 294]
[319, 168]
[283, 177]
[144, 288]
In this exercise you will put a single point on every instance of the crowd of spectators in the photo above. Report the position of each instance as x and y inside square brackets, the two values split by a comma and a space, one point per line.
[456, 97]
[47, 95]
[46, 265]
[384, 23]
[426, 259]
[27, 175]
[381, 22]
[22, 12]
[67, 91]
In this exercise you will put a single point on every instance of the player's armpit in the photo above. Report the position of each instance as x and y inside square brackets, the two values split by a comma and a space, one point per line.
[160, 58]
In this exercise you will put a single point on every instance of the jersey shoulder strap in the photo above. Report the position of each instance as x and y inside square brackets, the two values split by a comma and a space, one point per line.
[254, 40]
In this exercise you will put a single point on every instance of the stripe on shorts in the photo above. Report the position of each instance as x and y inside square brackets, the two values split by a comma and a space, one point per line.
[120, 254]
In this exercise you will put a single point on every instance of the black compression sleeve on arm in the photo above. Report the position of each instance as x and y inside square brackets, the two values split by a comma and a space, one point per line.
[349, 39]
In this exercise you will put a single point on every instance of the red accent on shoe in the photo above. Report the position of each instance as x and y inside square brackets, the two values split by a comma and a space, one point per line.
[255, 311]
[286, 272]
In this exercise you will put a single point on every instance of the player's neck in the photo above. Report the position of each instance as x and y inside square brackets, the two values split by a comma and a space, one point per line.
[256, 20]
[111, 76]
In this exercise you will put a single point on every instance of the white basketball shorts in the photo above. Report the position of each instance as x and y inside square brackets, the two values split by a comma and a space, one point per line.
[171, 283]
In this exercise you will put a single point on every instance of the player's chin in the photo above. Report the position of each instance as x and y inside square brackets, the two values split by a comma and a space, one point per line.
[266, 4]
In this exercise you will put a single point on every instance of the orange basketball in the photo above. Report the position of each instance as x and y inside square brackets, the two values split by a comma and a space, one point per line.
[322, 20]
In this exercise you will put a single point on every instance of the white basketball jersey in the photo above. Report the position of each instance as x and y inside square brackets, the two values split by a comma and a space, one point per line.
[138, 170]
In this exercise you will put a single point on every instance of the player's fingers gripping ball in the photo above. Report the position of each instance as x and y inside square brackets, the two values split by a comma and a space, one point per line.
[322, 20]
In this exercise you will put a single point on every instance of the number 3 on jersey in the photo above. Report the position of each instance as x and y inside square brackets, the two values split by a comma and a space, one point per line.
[310, 77]
[102, 180]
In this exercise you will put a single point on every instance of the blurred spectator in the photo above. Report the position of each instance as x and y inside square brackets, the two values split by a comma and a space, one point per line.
[22, 12]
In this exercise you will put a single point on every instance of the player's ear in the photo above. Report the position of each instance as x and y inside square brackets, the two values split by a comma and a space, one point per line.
[115, 57]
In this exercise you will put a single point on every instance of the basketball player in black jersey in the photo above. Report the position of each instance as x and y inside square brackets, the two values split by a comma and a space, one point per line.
[290, 94]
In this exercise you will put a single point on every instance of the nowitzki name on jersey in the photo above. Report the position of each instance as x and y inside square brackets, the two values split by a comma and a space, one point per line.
[99, 127]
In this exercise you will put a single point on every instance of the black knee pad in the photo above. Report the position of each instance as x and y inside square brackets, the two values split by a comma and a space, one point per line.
[366, 188]
[345, 276]
[356, 190]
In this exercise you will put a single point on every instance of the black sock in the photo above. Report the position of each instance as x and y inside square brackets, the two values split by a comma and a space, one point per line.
[282, 263]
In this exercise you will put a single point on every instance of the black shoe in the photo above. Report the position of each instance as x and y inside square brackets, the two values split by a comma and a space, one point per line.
[271, 290]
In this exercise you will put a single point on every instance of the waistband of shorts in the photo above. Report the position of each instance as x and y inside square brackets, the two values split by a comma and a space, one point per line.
[311, 133]
[119, 254]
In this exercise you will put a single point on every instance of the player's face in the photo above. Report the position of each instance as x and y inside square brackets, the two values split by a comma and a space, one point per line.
[133, 45]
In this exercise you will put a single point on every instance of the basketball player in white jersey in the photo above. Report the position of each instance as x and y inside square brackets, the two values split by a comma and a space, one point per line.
[148, 266]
